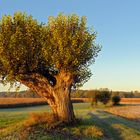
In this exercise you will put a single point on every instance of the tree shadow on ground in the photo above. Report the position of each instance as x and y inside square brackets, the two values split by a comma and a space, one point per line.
[118, 119]
[110, 133]
[106, 121]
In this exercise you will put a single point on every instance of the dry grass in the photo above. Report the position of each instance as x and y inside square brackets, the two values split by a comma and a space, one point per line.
[20, 102]
[23, 102]
[39, 118]
[93, 131]
[45, 122]
[130, 112]
[130, 101]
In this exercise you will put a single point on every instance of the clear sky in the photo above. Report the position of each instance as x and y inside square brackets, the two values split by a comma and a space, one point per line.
[117, 23]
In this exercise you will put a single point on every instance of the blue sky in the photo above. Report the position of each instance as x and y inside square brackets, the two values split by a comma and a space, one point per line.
[117, 23]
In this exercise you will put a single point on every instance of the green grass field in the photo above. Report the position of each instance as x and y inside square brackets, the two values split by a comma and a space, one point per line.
[93, 123]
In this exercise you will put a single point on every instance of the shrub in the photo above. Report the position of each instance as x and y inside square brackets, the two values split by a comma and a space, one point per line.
[116, 99]
[104, 96]
[94, 100]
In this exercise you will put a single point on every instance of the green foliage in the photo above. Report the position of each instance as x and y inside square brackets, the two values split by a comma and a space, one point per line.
[94, 95]
[64, 43]
[116, 99]
[103, 96]
[20, 46]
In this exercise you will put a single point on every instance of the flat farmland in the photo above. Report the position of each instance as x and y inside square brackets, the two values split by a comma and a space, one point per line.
[105, 125]
[130, 101]
[128, 111]
[21, 102]
[102, 125]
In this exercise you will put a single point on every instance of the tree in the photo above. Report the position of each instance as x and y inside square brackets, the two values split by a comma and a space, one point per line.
[116, 100]
[95, 96]
[51, 59]
[103, 96]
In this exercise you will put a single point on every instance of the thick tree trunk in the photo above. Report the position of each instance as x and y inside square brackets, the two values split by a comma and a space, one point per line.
[58, 97]
[62, 108]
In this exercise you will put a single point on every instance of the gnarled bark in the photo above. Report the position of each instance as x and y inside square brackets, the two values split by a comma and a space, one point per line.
[58, 97]
[62, 107]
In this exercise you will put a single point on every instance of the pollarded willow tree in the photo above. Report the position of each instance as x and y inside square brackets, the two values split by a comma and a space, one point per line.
[51, 59]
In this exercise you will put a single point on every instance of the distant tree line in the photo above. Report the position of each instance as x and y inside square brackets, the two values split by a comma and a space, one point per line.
[75, 94]
[92, 93]
[20, 94]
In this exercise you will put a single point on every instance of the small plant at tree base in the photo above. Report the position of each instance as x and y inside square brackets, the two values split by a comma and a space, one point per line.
[116, 99]
[93, 131]
[45, 120]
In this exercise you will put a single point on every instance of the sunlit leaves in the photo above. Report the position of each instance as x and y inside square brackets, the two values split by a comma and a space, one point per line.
[19, 44]
[71, 42]
[70, 45]
[64, 43]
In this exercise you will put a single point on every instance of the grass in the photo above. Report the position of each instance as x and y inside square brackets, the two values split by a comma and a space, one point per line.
[127, 111]
[21, 102]
[24, 102]
[130, 100]
[95, 124]
[108, 123]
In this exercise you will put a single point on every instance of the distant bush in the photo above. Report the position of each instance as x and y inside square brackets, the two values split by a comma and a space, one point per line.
[116, 99]
[104, 96]
[94, 100]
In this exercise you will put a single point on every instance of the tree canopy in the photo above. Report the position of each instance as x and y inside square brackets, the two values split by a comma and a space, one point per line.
[63, 43]
[50, 58]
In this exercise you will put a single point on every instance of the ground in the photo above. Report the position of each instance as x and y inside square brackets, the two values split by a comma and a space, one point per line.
[128, 111]
[115, 127]
[94, 122]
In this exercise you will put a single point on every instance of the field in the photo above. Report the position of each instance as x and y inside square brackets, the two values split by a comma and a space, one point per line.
[21, 102]
[130, 100]
[96, 124]
[131, 112]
